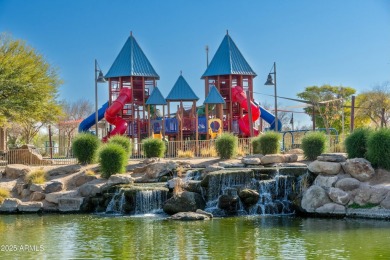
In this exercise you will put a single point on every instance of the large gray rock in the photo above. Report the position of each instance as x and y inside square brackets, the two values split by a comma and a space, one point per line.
[359, 168]
[229, 203]
[249, 197]
[361, 195]
[32, 206]
[251, 161]
[231, 165]
[14, 171]
[369, 195]
[338, 196]
[184, 202]
[331, 208]
[386, 202]
[89, 189]
[154, 171]
[189, 216]
[332, 157]
[10, 205]
[83, 178]
[25, 193]
[295, 151]
[325, 181]
[37, 196]
[213, 168]
[37, 187]
[54, 196]
[120, 179]
[69, 204]
[68, 169]
[273, 158]
[329, 168]
[290, 158]
[313, 198]
[348, 184]
[54, 186]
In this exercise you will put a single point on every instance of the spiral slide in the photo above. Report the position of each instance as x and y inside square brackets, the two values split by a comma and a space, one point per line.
[238, 95]
[111, 113]
[89, 121]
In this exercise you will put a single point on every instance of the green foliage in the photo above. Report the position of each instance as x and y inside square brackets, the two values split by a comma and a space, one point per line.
[378, 148]
[153, 147]
[4, 193]
[29, 86]
[85, 147]
[313, 145]
[36, 177]
[122, 141]
[365, 206]
[226, 145]
[267, 143]
[356, 143]
[112, 159]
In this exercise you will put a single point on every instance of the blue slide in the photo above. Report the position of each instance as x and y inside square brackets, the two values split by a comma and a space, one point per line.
[269, 118]
[90, 120]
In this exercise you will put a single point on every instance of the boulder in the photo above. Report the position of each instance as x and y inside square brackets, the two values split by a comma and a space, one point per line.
[175, 181]
[273, 158]
[199, 211]
[54, 196]
[151, 160]
[295, 151]
[83, 178]
[27, 154]
[25, 193]
[154, 171]
[249, 197]
[37, 196]
[193, 186]
[361, 195]
[338, 196]
[189, 216]
[328, 168]
[377, 195]
[14, 171]
[69, 204]
[251, 161]
[89, 189]
[68, 169]
[313, 198]
[229, 203]
[213, 168]
[359, 168]
[325, 181]
[37, 187]
[347, 184]
[331, 208]
[54, 186]
[120, 179]
[332, 157]
[32, 206]
[10, 205]
[183, 202]
[290, 158]
[20, 186]
[386, 202]
[231, 165]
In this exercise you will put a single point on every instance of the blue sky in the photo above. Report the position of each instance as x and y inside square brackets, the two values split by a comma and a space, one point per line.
[338, 42]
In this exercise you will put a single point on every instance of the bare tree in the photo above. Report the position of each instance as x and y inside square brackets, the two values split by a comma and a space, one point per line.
[283, 116]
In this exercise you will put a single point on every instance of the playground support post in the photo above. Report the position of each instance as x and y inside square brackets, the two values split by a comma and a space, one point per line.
[98, 79]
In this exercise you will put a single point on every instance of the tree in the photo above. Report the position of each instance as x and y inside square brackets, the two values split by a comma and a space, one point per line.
[73, 113]
[327, 102]
[374, 106]
[28, 87]
[283, 116]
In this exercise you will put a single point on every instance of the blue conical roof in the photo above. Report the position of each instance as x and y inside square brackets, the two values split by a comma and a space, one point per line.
[131, 61]
[156, 98]
[228, 60]
[181, 91]
[214, 97]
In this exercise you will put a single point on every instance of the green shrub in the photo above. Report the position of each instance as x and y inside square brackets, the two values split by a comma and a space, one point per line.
[36, 177]
[122, 141]
[4, 193]
[226, 145]
[356, 143]
[85, 147]
[153, 147]
[256, 145]
[378, 148]
[269, 143]
[313, 145]
[112, 159]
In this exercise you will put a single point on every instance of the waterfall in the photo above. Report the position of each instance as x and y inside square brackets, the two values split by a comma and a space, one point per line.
[149, 201]
[115, 206]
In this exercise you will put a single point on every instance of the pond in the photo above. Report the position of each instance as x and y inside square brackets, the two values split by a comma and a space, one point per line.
[153, 237]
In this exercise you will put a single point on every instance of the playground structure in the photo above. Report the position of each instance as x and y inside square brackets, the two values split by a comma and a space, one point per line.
[134, 99]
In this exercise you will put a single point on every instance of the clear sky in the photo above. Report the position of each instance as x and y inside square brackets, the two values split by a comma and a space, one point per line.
[338, 42]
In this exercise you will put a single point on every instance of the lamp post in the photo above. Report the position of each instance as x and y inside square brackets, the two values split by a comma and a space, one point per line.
[270, 81]
[98, 79]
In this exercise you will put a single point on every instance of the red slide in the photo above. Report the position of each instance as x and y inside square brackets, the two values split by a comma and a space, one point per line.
[238, 95]
[111, 113]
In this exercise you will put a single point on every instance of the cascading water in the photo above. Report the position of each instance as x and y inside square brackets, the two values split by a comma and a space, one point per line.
[149, 201]
[115, 206]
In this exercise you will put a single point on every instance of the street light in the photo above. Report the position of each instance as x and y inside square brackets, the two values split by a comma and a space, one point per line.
[270, 81]
[98, 79]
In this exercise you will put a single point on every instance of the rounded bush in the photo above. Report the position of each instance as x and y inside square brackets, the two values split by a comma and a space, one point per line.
[356, 143]
[122, 141]
[112, 159]
[153, 147]
[378, 148]
[85, 147]
[313, 145]
[269, 143]
[226, 145]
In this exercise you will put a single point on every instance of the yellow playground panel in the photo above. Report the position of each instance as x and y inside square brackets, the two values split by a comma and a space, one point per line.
[214, 127]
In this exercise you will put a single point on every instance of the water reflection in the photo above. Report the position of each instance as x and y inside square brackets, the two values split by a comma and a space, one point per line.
[151, 237]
